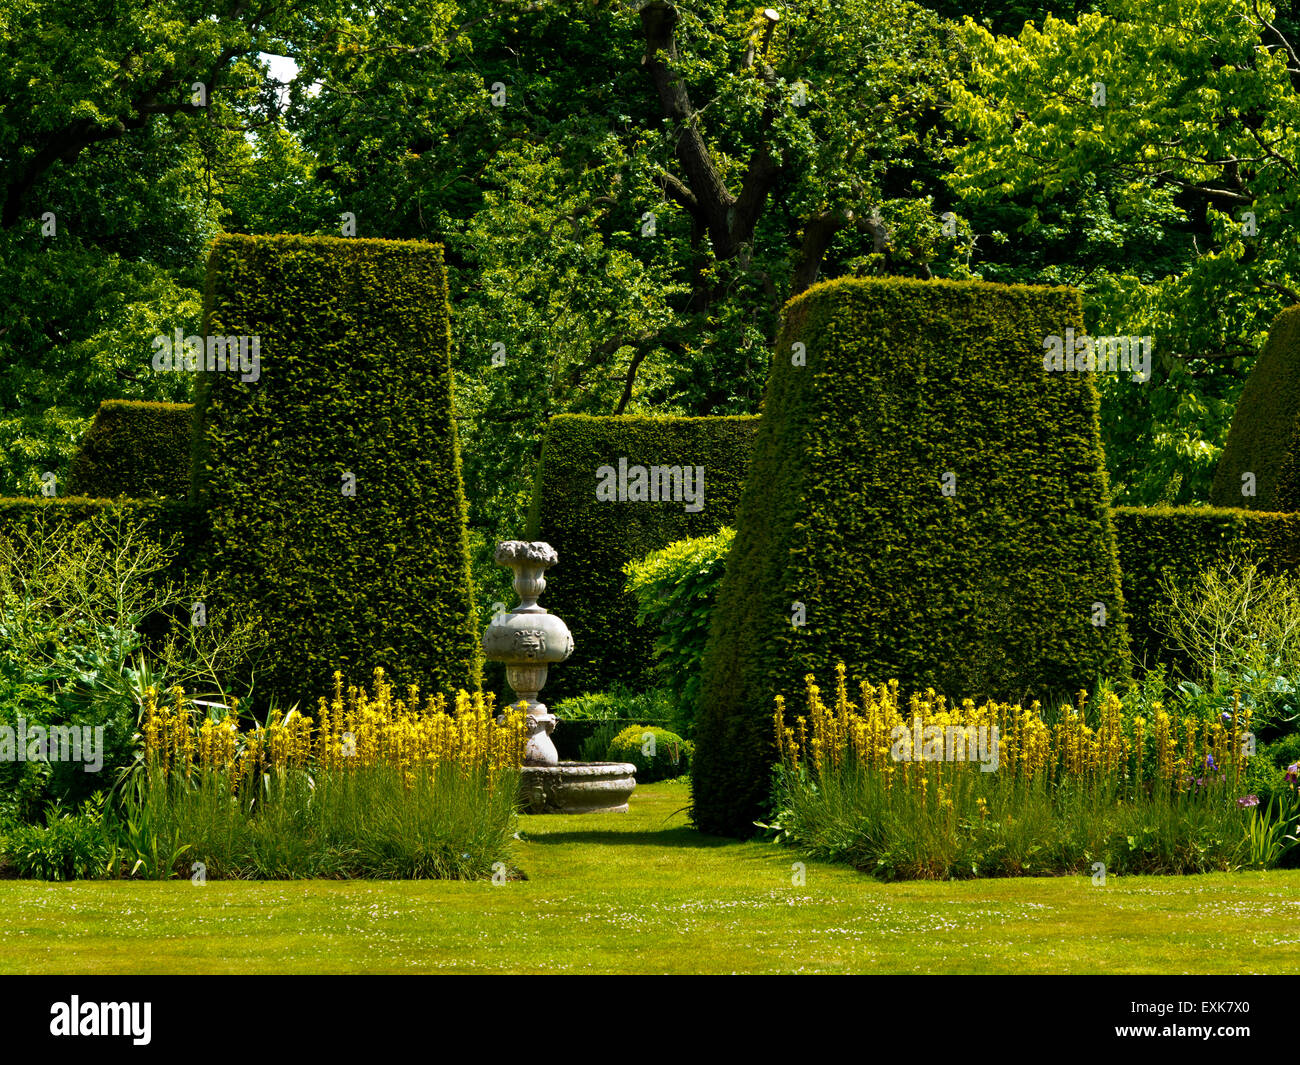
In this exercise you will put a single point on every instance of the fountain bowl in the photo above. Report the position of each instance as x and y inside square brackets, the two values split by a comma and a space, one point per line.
[577, 787]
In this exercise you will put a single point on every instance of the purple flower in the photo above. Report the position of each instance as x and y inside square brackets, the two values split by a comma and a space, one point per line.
[1248, 800]
[1209, 762]
[1293, 772]
[1226, 718]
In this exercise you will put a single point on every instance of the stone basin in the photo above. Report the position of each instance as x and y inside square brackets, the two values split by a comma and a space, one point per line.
[577, 787]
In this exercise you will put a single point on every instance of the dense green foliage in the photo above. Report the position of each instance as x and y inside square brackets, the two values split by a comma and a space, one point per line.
[96, 605]
[927, 500]
[1142, 152]
[675, 590]
[333, 482]
[1260, 465]
[596, 538]
[135, 449]
[848, 138]
[1162, 544]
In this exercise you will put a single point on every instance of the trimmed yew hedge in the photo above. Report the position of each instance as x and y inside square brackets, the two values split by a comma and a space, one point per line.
[1264, 439]
[1183, 542]
[595, 538]
[135, 449]
[355, 378]
[986, 592]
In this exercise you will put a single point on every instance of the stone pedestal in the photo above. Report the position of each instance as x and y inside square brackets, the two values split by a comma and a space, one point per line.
[529, 640]
[578, 788]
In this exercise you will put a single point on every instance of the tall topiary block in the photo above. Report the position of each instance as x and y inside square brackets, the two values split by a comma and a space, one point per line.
[1260, 465]
[331, 472]
[926, 502]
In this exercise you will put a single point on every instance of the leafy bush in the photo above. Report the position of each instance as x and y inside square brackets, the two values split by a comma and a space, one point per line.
[1240, 630]
[618, 702]
[596, 538]
[675, 591]
[69, 846]
[135, 449]
[333, 482]
[78, 602]
[588, 722]
[927, 499]
[657, 753]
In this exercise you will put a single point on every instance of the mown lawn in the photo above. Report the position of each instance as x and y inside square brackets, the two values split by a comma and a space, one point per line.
[642, 893]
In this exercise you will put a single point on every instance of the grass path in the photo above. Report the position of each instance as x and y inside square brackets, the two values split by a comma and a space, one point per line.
[641, 892]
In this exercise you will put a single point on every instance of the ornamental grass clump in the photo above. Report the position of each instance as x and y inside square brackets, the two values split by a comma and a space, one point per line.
[374, 786]
[951, 789]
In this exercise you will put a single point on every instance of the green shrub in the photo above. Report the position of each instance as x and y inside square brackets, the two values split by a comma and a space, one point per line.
[596, 538]
[93, 610]
[172, 522]
[657, 753]
[588, 722]
[618, 702]
[846, 526]
[1163, 545]
[675, 591]
[1264, 440]
[333, 481]
[1240, 629]
[135, 449]
[69, 846]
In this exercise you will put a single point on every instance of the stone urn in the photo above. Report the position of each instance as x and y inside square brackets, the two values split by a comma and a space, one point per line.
[529, 640]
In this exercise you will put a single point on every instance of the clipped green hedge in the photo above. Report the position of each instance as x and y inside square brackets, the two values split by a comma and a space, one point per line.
[1185, 541]
[354, 379]
[1264, 439]
[596, 538]
[987, 591]
[134, 449]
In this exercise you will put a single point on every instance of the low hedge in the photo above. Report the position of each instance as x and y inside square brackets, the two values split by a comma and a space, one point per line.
[1185, 541]
[134, 449]
[570, 736]
[671, 755]
[174, 522]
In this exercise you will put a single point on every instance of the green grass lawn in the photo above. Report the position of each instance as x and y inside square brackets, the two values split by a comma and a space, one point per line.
[641, 892]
